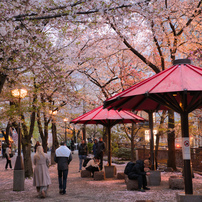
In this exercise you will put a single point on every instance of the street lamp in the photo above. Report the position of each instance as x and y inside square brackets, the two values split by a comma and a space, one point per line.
[65, 120]
[19, 175]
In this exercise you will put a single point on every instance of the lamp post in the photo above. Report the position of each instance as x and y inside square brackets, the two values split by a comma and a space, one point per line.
[65, 120]
[52, 113]
[19, 175]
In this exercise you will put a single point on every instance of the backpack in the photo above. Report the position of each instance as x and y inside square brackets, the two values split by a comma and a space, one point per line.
[86, 160]
[128, 168]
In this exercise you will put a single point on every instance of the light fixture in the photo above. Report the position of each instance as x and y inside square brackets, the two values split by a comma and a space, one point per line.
[19, 93]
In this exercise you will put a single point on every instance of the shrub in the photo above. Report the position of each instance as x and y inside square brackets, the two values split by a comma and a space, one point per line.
[90, 147]
[123, 153]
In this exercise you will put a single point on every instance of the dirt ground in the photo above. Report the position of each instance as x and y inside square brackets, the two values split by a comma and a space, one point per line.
[87, 189]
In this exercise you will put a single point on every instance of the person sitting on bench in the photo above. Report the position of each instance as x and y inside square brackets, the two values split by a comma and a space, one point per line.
[138, 173]
[93, 165]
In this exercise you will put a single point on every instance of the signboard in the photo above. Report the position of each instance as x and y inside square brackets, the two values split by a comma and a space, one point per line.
[186, 148]
[148, 135]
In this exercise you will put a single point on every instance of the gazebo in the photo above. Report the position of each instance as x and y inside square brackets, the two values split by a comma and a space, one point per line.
[107, 119]
[178, 88]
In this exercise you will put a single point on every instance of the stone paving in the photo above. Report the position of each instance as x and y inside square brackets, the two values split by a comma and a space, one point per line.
[87, 189]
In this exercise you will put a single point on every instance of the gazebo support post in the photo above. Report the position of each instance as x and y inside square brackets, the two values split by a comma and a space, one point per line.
[109, 144]
[187, 166]
[84, 132]
[110, 171]
[151, 139]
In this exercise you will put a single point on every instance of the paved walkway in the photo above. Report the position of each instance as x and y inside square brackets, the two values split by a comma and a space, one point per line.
[86, 189]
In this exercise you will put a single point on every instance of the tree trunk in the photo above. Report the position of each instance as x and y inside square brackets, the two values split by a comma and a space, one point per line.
[43, 134]
[171, 141]
[156, 150]
[27, 159]
[2, 80]
[26, 148]
[105, 138]
[6, 135]
[55, 143]
[160, 133]
[132, 143]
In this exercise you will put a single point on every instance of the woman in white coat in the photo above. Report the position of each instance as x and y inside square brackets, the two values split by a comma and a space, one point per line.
[41, 178]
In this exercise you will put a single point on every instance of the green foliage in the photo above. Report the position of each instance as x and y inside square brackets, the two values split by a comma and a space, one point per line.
[115, 148]
[123, 153]
[90, 147]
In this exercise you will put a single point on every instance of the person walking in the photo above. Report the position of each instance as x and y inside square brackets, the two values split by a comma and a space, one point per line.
[100, 151]
[41, 177]
[72, 146]
[82, 152]
[95, 146]
[68, 143]
[138, 172]
[8, 156]
[36, 145]
[63, 158]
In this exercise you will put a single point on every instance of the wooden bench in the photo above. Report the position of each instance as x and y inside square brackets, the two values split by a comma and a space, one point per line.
[176, 182]
[131, 184]
[99, 175]
[121, 175]
[85, 173]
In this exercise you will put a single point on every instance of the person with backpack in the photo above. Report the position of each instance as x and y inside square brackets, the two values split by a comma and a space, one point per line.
[137, 172]
[82, 152]
[129, 167]
[93, 165]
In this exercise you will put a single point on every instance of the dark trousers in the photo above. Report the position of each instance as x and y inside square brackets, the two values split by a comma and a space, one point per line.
[92, 169]
[62, 178]
[100, 156]
[142, 181]
[8, 162]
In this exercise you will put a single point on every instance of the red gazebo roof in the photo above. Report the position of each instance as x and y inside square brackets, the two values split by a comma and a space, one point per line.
[105, 117]
[163, 91]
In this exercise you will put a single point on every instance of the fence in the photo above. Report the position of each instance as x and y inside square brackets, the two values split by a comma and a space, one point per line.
[196, 157]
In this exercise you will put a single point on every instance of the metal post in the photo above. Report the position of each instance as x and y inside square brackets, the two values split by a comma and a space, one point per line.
[19, 175]
[109, 144]
[187, 166]
[19, 162]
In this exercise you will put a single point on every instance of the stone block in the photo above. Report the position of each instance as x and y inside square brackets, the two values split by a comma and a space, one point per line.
[99, 175]
[182, 197]
[126, 178]
[110, 171]
[154, 179]
[176, 182]
[85, 173]
[144, 201]
[121, 175]
[18, 180]
[168, 169]
[131, 184]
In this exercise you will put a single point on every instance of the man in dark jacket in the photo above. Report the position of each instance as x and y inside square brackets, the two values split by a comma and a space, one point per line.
[138, 173]
[95, 146]
[62, 158]
[100, 151]
[82, 153]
